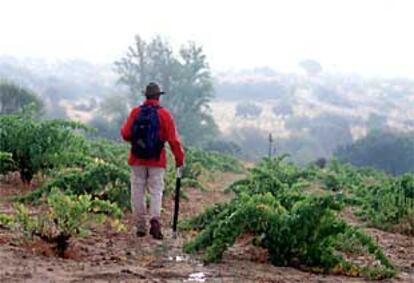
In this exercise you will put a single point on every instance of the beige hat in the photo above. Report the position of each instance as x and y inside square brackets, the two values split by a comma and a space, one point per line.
[153, 89]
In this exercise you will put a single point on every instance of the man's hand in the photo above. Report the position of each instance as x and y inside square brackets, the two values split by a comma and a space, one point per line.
[180, 171]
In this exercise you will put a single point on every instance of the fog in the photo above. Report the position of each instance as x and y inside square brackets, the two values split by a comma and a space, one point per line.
[368, 37]
[316, 75]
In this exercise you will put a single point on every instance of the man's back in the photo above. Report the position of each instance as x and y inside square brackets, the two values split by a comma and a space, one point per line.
[168, 133]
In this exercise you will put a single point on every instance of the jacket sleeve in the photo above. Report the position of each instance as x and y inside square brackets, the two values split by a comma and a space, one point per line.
[126, 129]
[173, 140]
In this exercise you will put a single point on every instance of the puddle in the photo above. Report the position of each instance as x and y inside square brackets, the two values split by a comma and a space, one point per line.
[179, 258]
[197, 277]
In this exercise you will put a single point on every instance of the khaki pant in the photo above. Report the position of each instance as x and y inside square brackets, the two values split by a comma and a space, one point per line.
[143, 177]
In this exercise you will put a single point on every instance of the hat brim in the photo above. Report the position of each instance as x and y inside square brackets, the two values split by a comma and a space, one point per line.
[159, 93]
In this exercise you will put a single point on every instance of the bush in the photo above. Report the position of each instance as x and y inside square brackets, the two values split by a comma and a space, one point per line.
[38, 146]
[248, 110]
[283, 108]
[6, 162]
[98, 179]
[385, 150]
[388, 203]
[295, 227]
[14, 98]
[101, 170]
[382, 201]
[213, 161]
[67, 217]
[226, 147]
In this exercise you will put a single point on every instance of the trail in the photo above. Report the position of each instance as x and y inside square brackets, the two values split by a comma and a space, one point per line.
[106, 256]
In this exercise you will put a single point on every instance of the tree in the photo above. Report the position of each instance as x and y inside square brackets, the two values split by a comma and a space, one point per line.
[283, 108]
[13, 98]
[222, 146]
[185, 76]
[112, 112]
[390, 151]
[322, 134]
[253, 142]
[331, 131]
[145, 62]
[248, 110]
[311, 67]
[376, 121]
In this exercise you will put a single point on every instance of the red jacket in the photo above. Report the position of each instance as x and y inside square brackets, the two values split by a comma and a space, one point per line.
[168, 133]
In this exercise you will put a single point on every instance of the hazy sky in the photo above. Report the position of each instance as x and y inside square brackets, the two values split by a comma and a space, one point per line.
[363, 36]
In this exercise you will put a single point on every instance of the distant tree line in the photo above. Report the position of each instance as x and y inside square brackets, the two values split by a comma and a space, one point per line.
[390, 151]
[248, 110]
[14, 98]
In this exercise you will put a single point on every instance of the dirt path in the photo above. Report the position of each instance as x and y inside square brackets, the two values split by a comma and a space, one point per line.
[106, 256]
[399, 248]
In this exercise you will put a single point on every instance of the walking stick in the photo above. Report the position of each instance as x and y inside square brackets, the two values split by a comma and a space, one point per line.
[177, 200]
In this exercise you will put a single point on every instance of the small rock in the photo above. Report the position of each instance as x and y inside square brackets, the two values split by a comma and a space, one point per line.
[130, 253]
[50, 269]
[27, 275]
[402, 276]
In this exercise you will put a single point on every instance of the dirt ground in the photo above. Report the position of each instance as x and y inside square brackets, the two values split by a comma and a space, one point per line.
[107, 256]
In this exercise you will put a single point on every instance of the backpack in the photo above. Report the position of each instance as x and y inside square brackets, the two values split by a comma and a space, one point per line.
[146, 142]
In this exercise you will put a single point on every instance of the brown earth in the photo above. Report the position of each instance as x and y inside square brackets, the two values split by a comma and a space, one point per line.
[107, 256]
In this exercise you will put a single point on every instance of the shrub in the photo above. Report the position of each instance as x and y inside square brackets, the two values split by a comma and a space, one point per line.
[385, 150]
[6, 162]
[295, 227]
[99, 179]
[14, 98]
[67, 217]
[37, 146]
[248, 110]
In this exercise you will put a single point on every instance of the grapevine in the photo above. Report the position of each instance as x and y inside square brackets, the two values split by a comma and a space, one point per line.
[293, 226]
[66, 217]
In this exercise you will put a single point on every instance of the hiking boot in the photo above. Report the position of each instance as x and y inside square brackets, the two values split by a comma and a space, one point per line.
[140, 233]
[155, 229]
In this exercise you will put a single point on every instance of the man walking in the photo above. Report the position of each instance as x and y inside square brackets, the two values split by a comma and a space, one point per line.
[147, 128]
